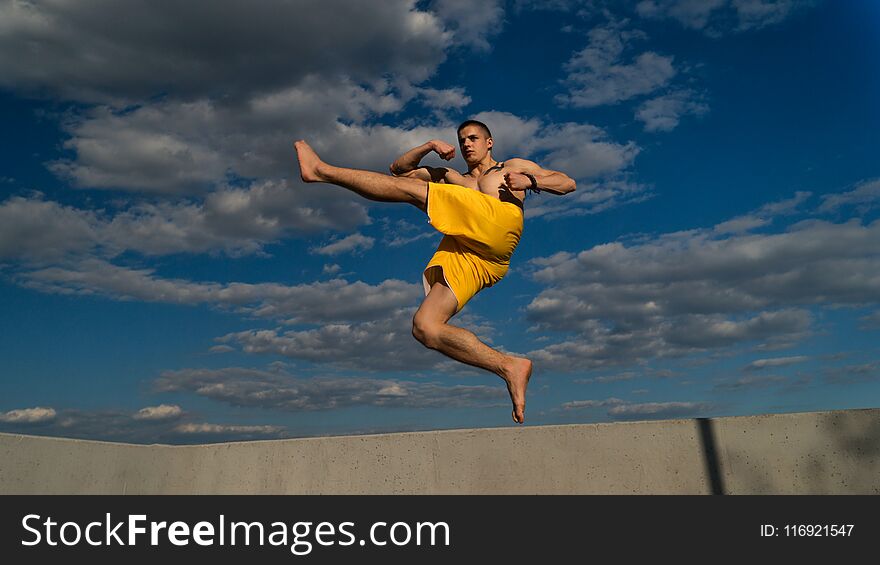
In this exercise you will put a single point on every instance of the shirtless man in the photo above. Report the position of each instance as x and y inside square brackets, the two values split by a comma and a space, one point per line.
[480, 214]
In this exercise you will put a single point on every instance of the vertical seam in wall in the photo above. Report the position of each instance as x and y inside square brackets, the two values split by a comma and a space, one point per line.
[705, 427]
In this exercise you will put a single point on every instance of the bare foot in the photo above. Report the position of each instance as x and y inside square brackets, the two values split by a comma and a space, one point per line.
[517, 375]
[309, 162]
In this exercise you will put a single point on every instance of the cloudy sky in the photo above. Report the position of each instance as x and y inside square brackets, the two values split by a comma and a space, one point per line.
[166, 277]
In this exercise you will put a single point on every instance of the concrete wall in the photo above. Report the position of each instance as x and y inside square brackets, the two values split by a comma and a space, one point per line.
[819, 453]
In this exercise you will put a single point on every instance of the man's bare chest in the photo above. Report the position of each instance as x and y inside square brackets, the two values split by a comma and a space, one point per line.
[491, 183]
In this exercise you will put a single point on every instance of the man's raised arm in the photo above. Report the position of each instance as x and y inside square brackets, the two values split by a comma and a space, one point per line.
[408, 163]
[525, 174]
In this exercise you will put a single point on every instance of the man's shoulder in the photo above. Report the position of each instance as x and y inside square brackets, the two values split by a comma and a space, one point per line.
[519, 162]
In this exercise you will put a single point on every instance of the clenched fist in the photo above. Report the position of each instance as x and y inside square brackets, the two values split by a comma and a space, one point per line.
[445, 150]
[517, 181]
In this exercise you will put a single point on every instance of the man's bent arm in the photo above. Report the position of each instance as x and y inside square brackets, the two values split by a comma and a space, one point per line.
[410, 160]
[547, 180]
[554, 181]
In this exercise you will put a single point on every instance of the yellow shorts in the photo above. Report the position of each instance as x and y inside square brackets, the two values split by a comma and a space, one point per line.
[481, 233]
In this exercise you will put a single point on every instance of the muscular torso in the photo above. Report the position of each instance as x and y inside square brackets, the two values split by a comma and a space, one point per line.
[491, 183]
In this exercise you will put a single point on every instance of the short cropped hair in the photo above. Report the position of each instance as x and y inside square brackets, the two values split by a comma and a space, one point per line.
[467, 123]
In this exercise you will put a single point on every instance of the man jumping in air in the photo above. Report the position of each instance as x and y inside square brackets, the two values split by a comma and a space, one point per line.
[480, 214]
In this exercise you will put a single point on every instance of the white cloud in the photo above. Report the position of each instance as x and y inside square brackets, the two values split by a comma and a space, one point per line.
[757, 14]
[660, 409]
[704, 332]
[443, 102]
[176, 110]
[28, 416]
[760, 364]
[386, 344]
[582, 151]
[625, 376]
[401, 232]
[472, 25]
[109, 50]
[113, 152]
[763, 216]
[382, 344]
[550, 5]
[717, 17]
[700, 290]
[750, 382]
[853, 374]
[173, 147]
[598, 75]
[608, 342]
[445, 99]
[158, 424]
[622, 409]
[281, 391]
[239, 221]
[864, 196]
[589, 199]
[270, 208]
[576, 404]
[161, 412]
[319, 302]
[799, 266]
[127, 150]
[234, 221]
[39, 230]
[690, 13]
[361, 326]
[216, 429]
[665, 112]
[348, 244]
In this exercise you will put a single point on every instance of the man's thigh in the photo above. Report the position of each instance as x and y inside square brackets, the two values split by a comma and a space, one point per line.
[416, 189]
[439, 305]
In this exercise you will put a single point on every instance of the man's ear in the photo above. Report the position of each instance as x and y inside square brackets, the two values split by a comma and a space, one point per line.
[489, 142]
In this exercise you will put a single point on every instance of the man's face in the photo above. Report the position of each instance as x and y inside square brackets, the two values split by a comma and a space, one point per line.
[474, 143]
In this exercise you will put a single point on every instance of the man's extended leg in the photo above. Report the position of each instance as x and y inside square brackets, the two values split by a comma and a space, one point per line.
[375, 186]
[430, 328]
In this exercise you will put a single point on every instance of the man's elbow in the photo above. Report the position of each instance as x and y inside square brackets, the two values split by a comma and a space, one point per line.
[570, 186]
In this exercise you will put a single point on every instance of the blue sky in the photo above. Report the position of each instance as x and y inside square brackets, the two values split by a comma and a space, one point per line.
[166, 277]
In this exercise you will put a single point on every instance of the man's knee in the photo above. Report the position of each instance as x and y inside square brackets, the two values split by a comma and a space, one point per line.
[427, 332]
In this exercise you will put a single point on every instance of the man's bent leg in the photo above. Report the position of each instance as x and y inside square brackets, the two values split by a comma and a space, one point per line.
[430, 327]
[374, 186]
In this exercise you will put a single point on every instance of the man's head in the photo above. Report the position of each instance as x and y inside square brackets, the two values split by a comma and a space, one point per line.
[475, 140]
